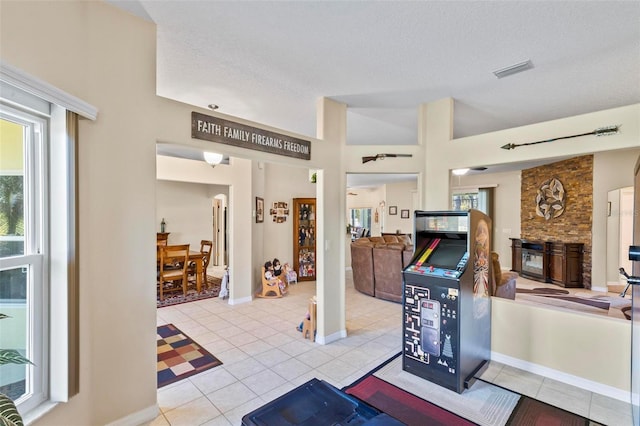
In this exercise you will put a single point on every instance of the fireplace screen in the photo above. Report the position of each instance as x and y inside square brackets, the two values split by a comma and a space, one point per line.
[532, 261]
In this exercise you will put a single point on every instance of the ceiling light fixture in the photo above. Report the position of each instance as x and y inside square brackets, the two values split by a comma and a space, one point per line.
[212, 158]
[213, 107]
[460, 172]
[601, 131]
[514, 69]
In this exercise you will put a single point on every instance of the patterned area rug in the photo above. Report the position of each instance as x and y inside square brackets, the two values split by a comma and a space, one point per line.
[483, 404]
[415, 401]
[402, 405]
[180, 357]
[212, 289]
[536, 413]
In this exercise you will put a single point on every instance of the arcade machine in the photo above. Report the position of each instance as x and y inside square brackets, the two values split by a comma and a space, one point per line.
[447, 304]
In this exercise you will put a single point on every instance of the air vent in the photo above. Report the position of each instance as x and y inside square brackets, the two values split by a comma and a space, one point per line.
[513, 69]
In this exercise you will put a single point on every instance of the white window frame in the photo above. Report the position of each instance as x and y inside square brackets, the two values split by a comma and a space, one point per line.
[35, 257]
[20, 88]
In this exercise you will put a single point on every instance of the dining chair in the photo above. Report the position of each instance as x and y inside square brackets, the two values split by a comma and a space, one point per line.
[206, 247]
[174, 261]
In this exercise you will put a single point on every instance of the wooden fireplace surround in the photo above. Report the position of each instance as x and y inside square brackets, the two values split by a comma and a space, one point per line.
[561, 262]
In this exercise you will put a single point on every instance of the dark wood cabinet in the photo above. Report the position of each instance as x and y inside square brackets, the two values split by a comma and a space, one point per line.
[516, 254]
[304, 238]
[548, 261]
[565, 264]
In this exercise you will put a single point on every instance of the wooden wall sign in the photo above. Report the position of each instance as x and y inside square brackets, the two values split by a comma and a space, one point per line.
[208, 128]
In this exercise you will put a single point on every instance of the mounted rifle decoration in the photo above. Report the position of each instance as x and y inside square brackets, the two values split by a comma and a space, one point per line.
[602, 131]
[382, 157]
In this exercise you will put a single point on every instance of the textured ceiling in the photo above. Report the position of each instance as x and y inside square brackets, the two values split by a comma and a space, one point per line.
[270, 61]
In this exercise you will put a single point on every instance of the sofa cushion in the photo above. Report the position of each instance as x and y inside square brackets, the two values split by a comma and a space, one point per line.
[404, 239]
[394, 246]
[390, 238]
[377, 264]
[376, 239]
[362, 268]
[363, 242]
[387, 268]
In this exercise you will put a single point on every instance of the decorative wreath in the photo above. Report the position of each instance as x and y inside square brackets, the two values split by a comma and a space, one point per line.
[550, 199]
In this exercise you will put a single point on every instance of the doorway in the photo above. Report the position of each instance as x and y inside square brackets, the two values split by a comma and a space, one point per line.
[219, 228]
[619, 235]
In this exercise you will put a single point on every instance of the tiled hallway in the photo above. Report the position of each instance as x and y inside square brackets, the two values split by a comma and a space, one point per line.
[264, 356]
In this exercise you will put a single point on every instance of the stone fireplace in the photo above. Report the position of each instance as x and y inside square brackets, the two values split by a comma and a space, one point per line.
[574, 225]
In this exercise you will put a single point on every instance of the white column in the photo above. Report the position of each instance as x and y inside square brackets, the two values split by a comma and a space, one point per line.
[331, 204]
[435, 131]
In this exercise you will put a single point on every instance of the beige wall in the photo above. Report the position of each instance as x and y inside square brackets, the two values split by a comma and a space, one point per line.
[611, 170]
[595, 351]
[283, 183]
[108, 58]
[187, 210]
[401, 196]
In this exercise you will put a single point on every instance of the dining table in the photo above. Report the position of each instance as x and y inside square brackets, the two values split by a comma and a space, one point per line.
[196, 257]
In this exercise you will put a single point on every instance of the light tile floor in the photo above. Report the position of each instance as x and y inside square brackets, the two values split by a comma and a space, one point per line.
[264, 356]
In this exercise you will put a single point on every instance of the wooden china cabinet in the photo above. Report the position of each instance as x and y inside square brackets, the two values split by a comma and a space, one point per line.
[304, 238]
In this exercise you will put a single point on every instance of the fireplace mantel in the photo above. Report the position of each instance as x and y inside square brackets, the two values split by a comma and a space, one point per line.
[548, 261]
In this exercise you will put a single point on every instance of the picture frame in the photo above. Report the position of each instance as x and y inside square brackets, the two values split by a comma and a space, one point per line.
[259, 210]
[393, 210]
[404, 214]
[279, 211]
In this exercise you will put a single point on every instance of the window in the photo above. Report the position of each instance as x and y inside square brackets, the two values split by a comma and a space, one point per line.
[465, 201]
[38, 240]
[479, 199]
[23, 255]
[360, 220]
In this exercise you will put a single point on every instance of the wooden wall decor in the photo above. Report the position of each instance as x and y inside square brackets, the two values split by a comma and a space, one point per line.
[550, 199]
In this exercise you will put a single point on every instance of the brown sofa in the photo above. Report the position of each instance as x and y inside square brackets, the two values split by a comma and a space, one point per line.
[377, 264]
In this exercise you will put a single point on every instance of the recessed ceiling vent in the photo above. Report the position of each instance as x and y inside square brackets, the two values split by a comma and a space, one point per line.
[514, 69]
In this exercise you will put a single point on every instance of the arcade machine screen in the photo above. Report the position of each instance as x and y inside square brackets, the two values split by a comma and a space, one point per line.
[445, 257]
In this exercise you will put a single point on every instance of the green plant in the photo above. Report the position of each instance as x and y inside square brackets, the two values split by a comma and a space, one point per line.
[9, 415]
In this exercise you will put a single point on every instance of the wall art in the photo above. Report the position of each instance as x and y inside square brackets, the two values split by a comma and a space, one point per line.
[279, 211]
[550, 199]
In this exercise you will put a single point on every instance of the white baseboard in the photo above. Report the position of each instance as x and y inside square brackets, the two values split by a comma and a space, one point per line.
[240, 300]
[601, 289]
[323, 340]
[560, 376]
[142, 417]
